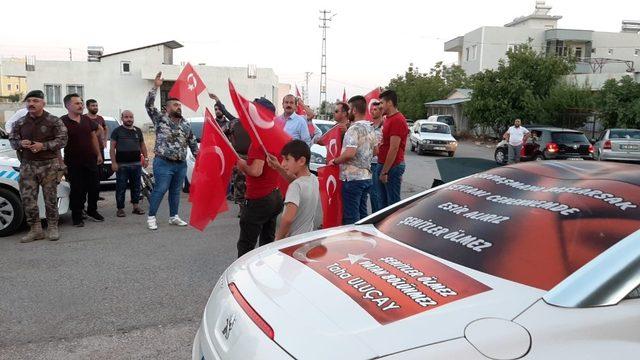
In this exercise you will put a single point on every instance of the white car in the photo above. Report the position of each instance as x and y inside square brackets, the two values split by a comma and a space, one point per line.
[538, 260]
[432, 136]
[197, 124]
[12, 214]
[319, 152]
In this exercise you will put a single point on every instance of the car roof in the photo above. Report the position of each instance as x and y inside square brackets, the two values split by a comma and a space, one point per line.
[427, 121]
[326, 122]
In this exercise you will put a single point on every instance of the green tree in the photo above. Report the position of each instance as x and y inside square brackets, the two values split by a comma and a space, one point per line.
[414, 88]
[518, 88]
[619, 103]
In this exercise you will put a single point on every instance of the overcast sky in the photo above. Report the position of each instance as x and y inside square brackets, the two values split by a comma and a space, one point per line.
[369, 42]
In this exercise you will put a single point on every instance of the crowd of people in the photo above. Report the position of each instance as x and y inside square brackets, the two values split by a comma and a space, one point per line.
[371, 163]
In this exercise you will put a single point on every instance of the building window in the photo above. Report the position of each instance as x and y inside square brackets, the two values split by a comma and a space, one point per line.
[466, 54]
[125, 67]
[637, 52]
[593, 50]
[9, 87]
[511, 47]
[252, 71]
[52, 94]
[610, 52]
[578, 52]
[474, 51]
[76, 89]
[17, 87]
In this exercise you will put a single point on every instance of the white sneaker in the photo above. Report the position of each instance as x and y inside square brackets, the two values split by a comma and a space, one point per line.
[151, 223]
[175, 220]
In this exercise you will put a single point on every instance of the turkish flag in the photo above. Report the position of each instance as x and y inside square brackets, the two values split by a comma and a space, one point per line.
[299, 108]
[330, 196]
[187, 88]
[211, 175]
[373, 95]
[260, 123]
[344, 95]
[332, 140]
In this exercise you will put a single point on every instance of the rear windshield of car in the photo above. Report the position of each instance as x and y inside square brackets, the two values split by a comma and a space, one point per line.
[531, 227]
[325, 127]
[630, 134]
[435, 128]
[568, 137]
[111, 125]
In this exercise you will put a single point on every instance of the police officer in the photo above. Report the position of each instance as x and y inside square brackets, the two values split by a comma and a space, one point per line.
[38, 138]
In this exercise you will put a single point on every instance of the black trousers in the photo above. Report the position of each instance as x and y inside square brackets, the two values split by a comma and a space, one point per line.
[84, 188]
[258, 220]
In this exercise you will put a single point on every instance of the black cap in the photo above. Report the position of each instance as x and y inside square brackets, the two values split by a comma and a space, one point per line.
[265, 103]
[34, 93]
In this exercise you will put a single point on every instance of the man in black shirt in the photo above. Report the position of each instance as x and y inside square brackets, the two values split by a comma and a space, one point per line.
[127, 147]
[82, 157]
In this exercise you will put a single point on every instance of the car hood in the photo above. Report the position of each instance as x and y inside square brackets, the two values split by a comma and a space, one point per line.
[436, 136]
[312, 285]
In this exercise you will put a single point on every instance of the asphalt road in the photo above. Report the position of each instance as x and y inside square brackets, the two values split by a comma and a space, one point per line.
[116, 290]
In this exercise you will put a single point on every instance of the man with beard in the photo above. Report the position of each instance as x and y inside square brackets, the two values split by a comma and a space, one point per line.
[127, 146]
[92, 113]
[294, 124]
[82, 157]
[173, 136]
[38, 137]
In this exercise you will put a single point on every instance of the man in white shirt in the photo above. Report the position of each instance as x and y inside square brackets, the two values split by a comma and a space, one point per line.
[516, 136]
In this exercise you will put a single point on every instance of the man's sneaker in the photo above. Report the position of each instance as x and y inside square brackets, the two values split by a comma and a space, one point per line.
[78, 223]
[151, 223]
[175, 220]
[95, 216]
[120, 213]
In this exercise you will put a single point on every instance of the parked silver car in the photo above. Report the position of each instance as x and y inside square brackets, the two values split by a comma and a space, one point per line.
[618, 144]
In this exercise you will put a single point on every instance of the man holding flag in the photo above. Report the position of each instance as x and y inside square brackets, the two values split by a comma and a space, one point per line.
[173, 136]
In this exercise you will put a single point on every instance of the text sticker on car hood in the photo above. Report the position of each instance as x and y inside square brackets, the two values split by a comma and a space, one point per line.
[389, 281]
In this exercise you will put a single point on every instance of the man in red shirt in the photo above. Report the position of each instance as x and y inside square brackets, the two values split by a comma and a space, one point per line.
[263, 200]
[391, 151]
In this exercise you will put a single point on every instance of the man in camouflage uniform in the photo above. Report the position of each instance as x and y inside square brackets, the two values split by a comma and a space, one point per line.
[38, 138]
[173, 136]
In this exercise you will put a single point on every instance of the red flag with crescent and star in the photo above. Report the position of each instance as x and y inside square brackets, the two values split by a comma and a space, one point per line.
[330, 196]
[187, 88]
[211, 175]
[332, 140]
[260, 123]
[372, 96]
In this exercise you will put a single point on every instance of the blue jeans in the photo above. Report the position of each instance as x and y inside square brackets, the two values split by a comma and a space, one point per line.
[354, 200]
[128, 174]
[375, 192]
[391, 190]
[169, 176]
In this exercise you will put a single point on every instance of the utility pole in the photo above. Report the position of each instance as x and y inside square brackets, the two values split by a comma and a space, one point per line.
[305, 91]
[323, 61]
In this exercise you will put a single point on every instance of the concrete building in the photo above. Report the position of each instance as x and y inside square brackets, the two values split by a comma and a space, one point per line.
[10, 84]
[601, 55]
[122, 80]
[453, 105]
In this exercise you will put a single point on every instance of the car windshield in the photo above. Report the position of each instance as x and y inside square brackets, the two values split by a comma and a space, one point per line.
[531, 227]
[196, 127]
[435, 128]
[629, 134]
[569, 137]
[111, 125]
[325, 127]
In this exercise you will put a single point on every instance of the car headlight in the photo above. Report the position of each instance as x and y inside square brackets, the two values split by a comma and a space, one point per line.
[453, 142]
[318, 159]
[425, 142]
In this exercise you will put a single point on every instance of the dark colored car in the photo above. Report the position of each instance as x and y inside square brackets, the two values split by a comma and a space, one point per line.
[550, 143]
